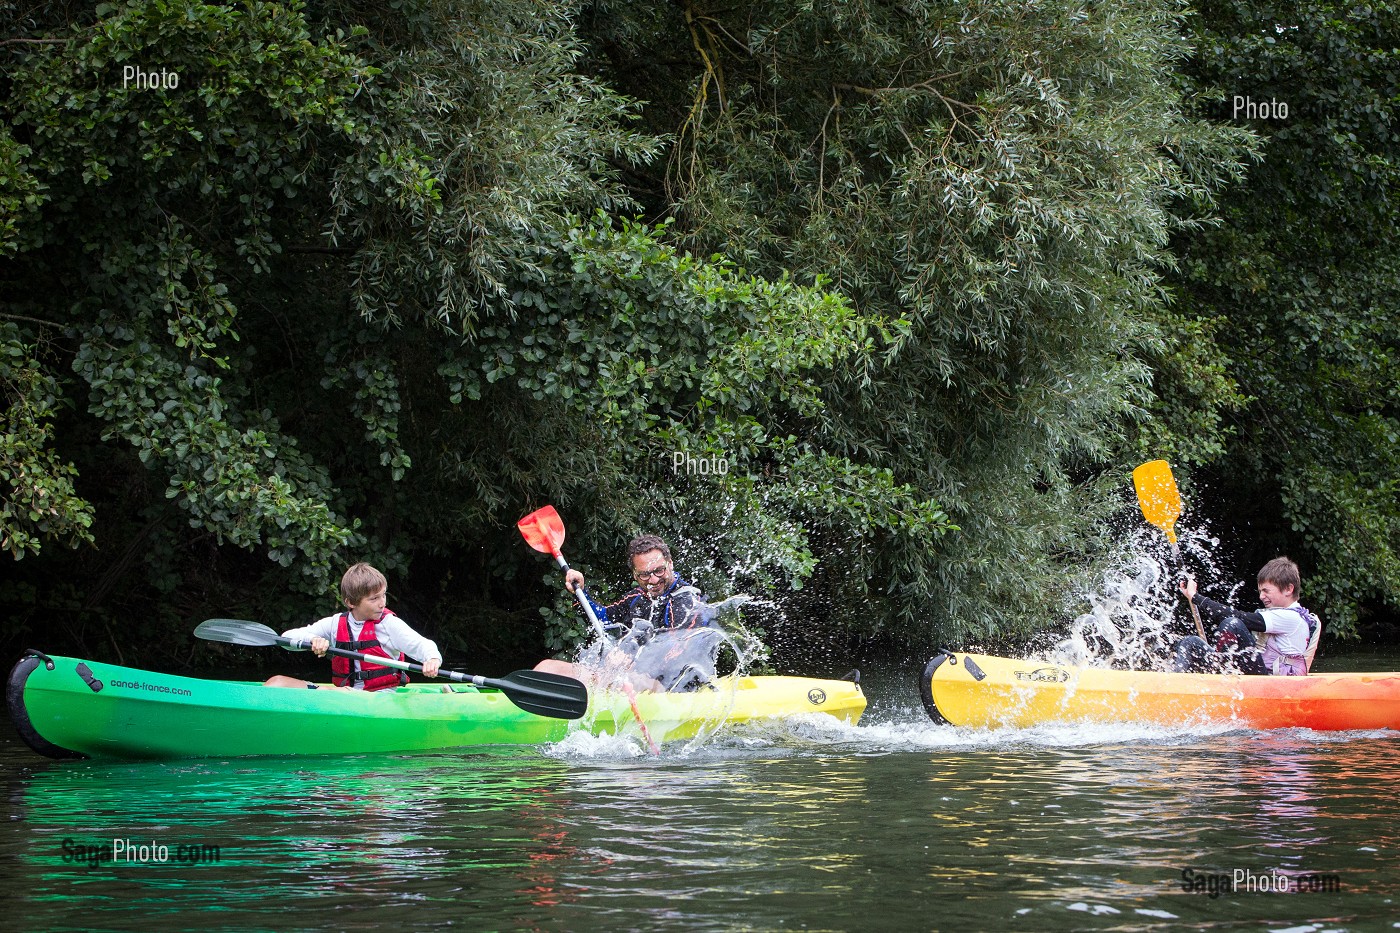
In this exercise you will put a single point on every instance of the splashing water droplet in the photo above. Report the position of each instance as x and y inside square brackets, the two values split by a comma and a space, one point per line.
[682, 659]
[1135, 612]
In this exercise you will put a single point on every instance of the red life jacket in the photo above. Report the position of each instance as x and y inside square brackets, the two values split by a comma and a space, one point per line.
[343, 673]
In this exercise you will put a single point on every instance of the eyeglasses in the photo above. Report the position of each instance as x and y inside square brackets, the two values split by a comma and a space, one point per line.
[655, 573]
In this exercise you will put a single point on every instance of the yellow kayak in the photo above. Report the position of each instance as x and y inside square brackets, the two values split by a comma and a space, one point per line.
[674, 717]
[988, 692]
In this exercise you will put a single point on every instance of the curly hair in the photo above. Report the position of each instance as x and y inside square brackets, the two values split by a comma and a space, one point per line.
[644, 543]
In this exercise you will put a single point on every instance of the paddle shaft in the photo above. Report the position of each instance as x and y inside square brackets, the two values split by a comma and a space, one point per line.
[626, 687]
[1176, 556]
[1196, 615]
[475, 679]
[637, 715]
[607, 640]
[583, 601]
[535, 692]
[543, 530]
[542, 700]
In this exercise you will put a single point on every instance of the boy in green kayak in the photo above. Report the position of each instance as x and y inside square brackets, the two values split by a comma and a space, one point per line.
[366, 626]
[1289, 631]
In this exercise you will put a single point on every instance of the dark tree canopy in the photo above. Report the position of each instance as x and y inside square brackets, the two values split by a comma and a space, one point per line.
[1298, 288]
[918, 285]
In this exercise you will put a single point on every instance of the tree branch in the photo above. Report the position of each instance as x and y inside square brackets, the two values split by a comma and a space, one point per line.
[327, 250]
[30, 320]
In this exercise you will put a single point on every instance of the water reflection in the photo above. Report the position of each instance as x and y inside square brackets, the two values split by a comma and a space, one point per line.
[802, 825]
[357, 828]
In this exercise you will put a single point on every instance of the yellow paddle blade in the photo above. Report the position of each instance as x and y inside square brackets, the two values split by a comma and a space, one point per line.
[1156, 492]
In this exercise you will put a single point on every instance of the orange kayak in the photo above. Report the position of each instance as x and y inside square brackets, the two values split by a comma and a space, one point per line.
[989, 692]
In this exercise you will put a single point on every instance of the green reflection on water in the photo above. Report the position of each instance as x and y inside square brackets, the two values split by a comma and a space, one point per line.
[234, 835]
[916, 828]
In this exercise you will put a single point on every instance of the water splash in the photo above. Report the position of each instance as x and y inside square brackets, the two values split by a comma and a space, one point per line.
[1135, 612]
[686, 658]
[712, 612]
[584, 745]
[692, 658]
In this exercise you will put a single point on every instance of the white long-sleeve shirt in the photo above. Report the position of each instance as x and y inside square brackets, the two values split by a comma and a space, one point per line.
[394, 636]
[1286, 630]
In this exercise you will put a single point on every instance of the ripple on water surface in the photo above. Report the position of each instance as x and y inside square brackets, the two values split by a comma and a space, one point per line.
[810, 823]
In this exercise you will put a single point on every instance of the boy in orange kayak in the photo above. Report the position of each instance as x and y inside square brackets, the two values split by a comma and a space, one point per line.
[1290, 631]
[368, 627]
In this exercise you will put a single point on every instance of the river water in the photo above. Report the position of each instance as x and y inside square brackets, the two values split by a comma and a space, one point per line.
[893, 824]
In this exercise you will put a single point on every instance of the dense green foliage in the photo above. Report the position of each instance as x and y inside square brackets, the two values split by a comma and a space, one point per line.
[1000, 175]
[40, 501]
[322, 309]
[369, 282]
[1298, 288]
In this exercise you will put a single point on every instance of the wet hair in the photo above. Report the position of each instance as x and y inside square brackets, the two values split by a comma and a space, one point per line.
[1282, 573]
[360, 581]
[644, 543]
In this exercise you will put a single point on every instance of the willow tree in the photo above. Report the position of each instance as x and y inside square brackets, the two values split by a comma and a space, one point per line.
[1000, 178]
[353, 285]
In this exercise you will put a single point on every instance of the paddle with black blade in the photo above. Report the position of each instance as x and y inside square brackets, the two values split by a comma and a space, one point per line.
[543, 530]
[1161, 506]
[533, 691]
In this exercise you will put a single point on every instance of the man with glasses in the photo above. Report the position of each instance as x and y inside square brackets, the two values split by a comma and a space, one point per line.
[661, 603]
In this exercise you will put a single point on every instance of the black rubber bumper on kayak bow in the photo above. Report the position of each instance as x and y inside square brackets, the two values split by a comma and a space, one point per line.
[926, 686]
[19, 714]
[944, 656]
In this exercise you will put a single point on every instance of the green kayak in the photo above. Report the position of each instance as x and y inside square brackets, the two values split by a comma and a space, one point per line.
[66, 708]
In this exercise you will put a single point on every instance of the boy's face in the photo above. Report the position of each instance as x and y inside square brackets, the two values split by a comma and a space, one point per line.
[1274, 598]
[370, 606]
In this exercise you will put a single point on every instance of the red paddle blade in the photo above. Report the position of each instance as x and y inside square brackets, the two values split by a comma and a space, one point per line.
[543, 530]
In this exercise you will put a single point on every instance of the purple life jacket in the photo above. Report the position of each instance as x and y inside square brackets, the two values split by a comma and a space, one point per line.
[1291, 665]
